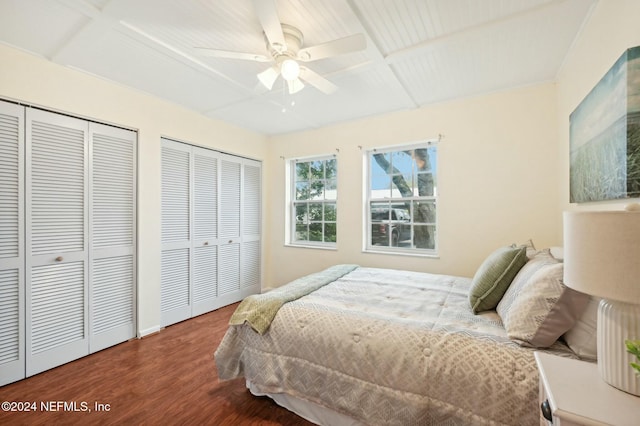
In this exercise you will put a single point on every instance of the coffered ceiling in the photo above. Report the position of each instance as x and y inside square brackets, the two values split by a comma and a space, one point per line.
[419, 52]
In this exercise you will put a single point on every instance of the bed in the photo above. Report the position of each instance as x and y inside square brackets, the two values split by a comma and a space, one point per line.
[359, 345]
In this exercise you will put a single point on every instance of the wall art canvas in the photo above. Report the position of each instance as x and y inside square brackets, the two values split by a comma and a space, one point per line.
[605, 136]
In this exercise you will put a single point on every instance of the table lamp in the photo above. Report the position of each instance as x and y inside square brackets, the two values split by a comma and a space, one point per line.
[602, 258]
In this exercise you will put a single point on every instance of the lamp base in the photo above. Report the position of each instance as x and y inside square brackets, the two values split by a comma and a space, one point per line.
[618, 322]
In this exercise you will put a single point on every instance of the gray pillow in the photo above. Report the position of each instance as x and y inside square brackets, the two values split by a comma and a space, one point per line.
[543, 309]
[494, 276]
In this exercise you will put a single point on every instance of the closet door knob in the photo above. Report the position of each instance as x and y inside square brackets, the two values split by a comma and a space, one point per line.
[59, 259]
[546, 410]
[230, 241]
[206, 243]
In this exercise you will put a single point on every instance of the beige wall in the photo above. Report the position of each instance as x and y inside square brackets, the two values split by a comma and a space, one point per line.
[498, 181]
[33, 80]
[611, 29]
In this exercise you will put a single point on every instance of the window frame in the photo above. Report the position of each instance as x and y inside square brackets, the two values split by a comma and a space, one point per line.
[368, 246]
[292, 203]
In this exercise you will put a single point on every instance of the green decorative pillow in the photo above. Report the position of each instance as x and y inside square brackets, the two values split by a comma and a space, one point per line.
[493, 277]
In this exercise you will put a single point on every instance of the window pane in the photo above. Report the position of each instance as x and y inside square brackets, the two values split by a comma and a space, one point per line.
[425, 185]
[302, 171]
[317, 169]
[315, 212]
[302, 234]
[424, 236]
[421, 158]
[315, 232]
[303, 191]
[379, 236]
[380, 186]
[380, 217]
[317, 190]
[380, 164]
[331, 169]
[330, 212]
[402, 162]
[424, 212]
[301, 213]
[330, 232]
[331, 189]
[380, 211]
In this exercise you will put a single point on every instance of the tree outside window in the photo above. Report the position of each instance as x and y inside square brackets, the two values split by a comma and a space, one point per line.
[315, 187]
[402, 199]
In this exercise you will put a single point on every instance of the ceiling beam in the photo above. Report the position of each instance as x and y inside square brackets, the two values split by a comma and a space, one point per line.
[379, 56]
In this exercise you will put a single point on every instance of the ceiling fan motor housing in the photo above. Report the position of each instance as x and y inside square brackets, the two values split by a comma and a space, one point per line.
[293, 38]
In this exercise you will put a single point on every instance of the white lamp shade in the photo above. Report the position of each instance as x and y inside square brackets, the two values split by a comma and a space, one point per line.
[602, 254]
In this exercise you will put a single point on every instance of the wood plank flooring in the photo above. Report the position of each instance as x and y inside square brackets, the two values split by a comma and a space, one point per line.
[165, 379]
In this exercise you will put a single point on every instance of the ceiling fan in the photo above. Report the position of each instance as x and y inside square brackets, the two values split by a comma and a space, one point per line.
[285, 49]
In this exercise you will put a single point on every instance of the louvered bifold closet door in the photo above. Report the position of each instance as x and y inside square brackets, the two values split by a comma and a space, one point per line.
[175, 287]
[251, 227]
[205, 231]
[12, 338]
[56, 240]
[112, 238]
[230, 238]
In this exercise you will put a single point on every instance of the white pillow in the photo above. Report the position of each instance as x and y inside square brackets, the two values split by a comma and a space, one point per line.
[544, 309]
[537, 262]
[582, 337]
[557, 253]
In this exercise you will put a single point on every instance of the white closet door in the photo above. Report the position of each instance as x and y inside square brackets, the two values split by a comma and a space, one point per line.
[12, 337]
[176, 297]
[251, 227]
[205, 231]
[56, 240]
[112, 224]
[230, 238]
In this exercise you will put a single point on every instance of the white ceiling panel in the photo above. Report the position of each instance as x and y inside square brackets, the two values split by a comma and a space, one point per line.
[267, 117]
[38, 26]
[418, 51]
[401, 24]
[120, 58]
[357, 97]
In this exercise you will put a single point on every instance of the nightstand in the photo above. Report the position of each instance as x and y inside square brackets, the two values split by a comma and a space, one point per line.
[576, 395]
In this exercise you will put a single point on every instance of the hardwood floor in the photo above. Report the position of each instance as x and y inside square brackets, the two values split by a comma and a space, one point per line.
[168, 378]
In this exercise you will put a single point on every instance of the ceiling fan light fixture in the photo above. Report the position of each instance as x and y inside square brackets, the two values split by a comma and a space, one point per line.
[295, 86]
[268, 77]
[290, 69]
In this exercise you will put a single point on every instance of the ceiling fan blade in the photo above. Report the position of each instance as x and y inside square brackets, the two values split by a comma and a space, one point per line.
[205, 51]
[336, 47]
[268, 16]
[317, 81]
[268, 77]
[295, 86]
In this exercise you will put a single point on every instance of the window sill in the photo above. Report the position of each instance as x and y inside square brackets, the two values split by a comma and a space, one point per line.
[402, 253]
[313, 246]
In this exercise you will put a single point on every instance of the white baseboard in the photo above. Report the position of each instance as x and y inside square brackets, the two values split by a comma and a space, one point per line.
[148, 331]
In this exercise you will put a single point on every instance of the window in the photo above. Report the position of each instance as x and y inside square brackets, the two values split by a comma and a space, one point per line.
[314, 195]
[401, 199]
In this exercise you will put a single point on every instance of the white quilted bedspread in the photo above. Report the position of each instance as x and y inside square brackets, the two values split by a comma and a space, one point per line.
[391, 347]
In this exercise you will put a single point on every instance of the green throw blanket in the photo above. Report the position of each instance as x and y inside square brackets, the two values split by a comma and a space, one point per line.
[258, 310]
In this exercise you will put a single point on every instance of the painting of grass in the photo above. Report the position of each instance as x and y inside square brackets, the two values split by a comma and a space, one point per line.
[605, 136]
